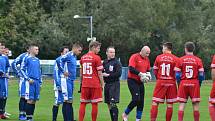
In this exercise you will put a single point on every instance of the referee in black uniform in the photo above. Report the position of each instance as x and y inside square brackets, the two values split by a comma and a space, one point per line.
[112, 73]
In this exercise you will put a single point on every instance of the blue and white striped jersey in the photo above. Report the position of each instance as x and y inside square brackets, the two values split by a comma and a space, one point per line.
[17, 62]
[30, 68]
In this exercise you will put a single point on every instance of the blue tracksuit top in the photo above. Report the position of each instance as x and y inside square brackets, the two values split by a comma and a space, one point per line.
[17, 62]
[30, 68]
[68, 63]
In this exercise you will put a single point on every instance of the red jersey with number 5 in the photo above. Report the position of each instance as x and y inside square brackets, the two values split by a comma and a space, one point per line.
[190, 66]
[90, 65]
[164, 65]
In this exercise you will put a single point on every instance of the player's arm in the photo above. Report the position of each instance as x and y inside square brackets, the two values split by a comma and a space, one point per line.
[15, 63]
[213, 68]
[60, 62]
[201, 74]
[40, 75]
[101, 78]
[24, 68]
[117, 72]
[213, 73]
[155, 68]
[132, 65]
[178, 72]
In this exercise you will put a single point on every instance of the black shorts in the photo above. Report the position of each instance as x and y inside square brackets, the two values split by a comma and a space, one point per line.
[137, 90]
[112, 92]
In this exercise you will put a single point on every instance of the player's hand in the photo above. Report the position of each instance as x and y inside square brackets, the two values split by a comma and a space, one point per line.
[1, 73]
[31, 81]
[148, 74]
[105, 74]
[66, 74]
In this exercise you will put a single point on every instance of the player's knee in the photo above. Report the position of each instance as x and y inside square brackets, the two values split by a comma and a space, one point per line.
[31, 102]
[113, 105]
[155, 103]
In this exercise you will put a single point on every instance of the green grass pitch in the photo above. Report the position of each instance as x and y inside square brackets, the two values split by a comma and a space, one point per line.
[43, 111]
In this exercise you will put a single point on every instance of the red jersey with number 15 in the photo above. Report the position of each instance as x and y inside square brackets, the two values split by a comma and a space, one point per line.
[165, 64]
[91, 64]
[190, 66]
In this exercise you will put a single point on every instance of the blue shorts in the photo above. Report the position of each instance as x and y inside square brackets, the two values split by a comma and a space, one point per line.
[32, 90]
[22, 87]
[3, 87]
[67, 89]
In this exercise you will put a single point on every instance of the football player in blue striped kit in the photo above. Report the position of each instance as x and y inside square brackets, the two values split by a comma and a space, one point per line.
[30, 71]
[16, 67]
[4, 70]
[58, 80]
[67, 65]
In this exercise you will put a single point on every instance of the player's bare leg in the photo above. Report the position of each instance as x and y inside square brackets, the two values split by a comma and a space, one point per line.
[181, 111]
[154, 111]
[169, 111]
[211, 108]
[196, 114]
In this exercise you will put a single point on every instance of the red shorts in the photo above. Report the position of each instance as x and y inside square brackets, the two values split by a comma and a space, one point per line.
[91, 95]
[212, 95]
[165, 89]
[189, 88]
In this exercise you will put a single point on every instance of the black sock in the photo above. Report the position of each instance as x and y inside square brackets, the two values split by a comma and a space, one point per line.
[1, 106]
[4, 104]
[22, 102]
[64, 111]
[114, 113]
[54, 112]
[69, 111]
[30, 110]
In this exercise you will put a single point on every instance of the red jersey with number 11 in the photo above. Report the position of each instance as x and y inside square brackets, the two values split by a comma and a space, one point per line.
[190, 66]
[91, 64]
[165, 64]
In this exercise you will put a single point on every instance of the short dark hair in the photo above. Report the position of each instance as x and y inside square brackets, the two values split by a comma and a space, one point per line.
[32, 45]
[94, 44]
[62, 49]
[77, 45]
[109, 48]
[168, 45]
[190, 46]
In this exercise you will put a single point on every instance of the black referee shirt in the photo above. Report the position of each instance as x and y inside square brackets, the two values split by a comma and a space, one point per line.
[114, 68]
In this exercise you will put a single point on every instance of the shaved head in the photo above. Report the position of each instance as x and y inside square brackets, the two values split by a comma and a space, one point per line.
[145, 51]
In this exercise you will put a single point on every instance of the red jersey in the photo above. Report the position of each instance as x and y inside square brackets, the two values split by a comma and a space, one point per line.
[190, 66]
[141, 64]
[91, 64]
[164, 65]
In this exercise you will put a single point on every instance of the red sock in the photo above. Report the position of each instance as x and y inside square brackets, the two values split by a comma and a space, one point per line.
[94, 111]
[82, 111]
[154, 112]
[169, 111]
[196, 115]
[180, 115]
[212, 112]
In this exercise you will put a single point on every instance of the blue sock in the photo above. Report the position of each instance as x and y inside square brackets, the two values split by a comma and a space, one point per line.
[127, 111]
[64, 111]
[54, 112]
[139, 114]
[69, 111]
